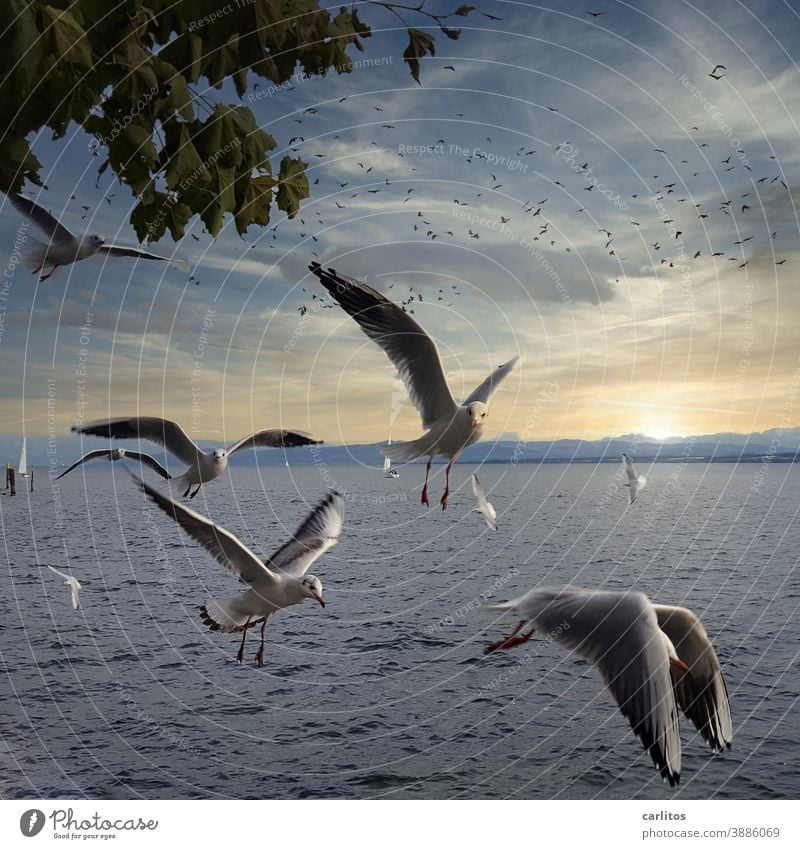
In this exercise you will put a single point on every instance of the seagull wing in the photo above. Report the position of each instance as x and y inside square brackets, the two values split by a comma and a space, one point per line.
[150, 462]
[138, 253]
[619, 634]
[485, 390]
[408, 346]
[489, 513]
[154, 429]
[319, 532]
[75, 589]
[92, 455]
[701, 692]
[57, 233]
[74, 586]
[222, 545]
[274, 438]
[629, 470]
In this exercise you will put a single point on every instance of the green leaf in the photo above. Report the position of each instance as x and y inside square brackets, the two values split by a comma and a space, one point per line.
[64, 38]
[151, 220]
[292, 185]
[184, 164]
[255, 200]
[419, 45]
[222, 199]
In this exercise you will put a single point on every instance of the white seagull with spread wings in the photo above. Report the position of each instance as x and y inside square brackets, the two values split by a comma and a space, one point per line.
[204, 466]
[64, 247]
[113, 454]
[654, 659]
[450, 426]
[279, 582]
[636, 483]
[72, 583]
[484, 506]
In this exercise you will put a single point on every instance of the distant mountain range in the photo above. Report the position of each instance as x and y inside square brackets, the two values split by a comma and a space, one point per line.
[780, 445]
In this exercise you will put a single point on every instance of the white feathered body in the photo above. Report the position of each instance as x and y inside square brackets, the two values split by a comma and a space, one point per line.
[40, 253]
[208, 467]
[448, 439]
[233, 613]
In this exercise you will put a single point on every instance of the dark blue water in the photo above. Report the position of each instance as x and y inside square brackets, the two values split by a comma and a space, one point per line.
[386, 692]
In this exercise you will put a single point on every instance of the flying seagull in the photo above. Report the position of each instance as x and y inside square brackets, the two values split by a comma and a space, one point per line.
[72, 583]
[635, 483]
[204, 466]
[714, 75]
[450, 426]
[274, 584]
[654, 659]
[64, 247]
[113, 454]
[484, 507]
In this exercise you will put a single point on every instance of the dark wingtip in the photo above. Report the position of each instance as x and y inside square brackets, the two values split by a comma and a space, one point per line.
[207, 620]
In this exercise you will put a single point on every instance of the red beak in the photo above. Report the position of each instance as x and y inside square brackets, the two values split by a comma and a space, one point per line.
[320, 599]
[679, 664]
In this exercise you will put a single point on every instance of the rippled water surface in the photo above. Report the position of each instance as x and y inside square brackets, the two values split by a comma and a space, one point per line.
[386, 692]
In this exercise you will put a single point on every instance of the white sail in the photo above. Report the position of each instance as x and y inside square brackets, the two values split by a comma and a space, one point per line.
[388, 471]
[23, 459]
[387, 463]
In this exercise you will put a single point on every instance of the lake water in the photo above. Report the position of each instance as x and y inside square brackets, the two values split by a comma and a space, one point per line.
[386, 692]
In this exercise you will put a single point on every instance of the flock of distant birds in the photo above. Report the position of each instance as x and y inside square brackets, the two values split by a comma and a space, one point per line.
[656, 660]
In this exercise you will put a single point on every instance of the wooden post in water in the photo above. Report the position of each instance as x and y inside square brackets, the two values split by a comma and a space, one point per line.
[8, 466]
[31, 478]
[12, 481]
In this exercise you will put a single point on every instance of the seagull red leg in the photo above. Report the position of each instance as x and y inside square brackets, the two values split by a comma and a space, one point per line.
[511, 640]
[424, 499]
[446, 495]
[260, 652]
[240, 654]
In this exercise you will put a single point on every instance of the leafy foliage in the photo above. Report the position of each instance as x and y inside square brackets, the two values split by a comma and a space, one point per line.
[124, 71]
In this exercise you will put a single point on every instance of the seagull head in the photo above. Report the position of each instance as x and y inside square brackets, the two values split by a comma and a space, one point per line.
[218, 455]
[477, 412]
[118, 454]
[312, 588]
[96, 241]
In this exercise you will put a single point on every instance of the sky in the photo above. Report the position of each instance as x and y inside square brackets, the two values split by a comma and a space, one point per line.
[577, 173]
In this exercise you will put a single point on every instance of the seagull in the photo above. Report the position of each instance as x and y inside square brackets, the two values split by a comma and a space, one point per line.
[450, 427]
[278, 582]
[73, 584]
[654, 658]
[64, 247]
[113, 454]
[635, 482]
[484, 507]
[204, 466]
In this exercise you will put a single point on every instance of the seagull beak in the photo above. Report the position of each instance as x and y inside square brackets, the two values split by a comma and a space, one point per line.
[473, 422]
[320, 599]
[679, 664]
